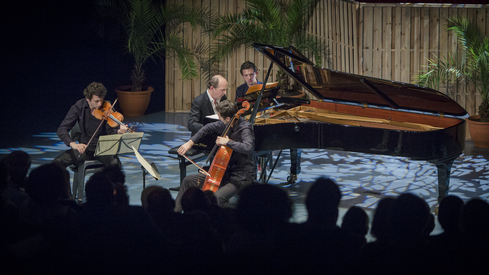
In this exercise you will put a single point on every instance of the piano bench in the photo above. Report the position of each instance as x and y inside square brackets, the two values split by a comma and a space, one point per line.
[194, 154]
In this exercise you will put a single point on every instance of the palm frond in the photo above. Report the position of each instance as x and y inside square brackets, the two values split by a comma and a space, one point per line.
[472, 66]
[273, 22]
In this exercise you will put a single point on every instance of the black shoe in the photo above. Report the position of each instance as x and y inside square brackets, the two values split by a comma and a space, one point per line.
[291, 179]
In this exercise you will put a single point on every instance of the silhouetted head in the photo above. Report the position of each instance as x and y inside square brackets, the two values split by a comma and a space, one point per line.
[115, 174]
[410, 215]
[18, 164]
[47, 184]
[475, 218]
[118, 179]
[355, 221]
[450, 213]
[381, 222]
[145, 193]
[211, 196]
[194, 199]
[99, 190]
[160, 200]
[263, 206]
[323, 199]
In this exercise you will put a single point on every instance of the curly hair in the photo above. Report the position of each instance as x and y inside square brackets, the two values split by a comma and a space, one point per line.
[95, 88]
[226, 108]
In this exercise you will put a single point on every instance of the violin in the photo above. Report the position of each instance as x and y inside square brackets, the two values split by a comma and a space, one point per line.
[113, 118]
[221, 160]
[106, 113]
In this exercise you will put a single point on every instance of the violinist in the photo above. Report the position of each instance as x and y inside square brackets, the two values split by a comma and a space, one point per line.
[83, 112]
[241, 168]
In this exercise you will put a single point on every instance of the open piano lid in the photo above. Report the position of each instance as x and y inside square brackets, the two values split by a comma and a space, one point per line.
[345, 88]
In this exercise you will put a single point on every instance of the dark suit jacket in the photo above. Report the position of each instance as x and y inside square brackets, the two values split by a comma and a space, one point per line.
[201, 107]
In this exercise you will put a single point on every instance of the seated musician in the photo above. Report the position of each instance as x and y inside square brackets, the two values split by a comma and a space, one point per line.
[205, 104]
[248, 72]
[83, 113]
[241, 167]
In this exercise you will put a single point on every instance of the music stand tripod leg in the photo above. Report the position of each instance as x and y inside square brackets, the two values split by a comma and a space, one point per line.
[182, 165]
[144, 176]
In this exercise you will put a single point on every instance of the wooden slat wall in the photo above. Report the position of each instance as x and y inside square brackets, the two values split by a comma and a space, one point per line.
[388, 41]
[416, 32]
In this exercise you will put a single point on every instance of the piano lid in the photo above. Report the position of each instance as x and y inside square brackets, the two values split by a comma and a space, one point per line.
[360, 90]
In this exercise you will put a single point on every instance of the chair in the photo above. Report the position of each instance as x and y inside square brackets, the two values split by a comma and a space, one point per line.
[82, 170]
[87, 167]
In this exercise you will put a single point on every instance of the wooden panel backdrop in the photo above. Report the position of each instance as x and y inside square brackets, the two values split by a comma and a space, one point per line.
[389, 41]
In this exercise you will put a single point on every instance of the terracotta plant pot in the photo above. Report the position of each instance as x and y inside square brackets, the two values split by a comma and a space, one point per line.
[133, 103]
[479, 131]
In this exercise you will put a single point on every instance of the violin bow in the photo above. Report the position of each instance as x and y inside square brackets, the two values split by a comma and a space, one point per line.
[92, 136]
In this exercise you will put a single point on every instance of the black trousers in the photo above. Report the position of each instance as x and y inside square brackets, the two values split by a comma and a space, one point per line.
[71, 156]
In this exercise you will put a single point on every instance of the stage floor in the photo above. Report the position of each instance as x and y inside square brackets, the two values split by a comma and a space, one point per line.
[363, 178]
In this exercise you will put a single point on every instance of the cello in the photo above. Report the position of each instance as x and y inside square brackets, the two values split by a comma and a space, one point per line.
[218, 167]
[223, 155]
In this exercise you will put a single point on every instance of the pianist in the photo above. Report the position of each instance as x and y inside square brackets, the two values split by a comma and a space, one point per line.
[241, 167]
[205, 104]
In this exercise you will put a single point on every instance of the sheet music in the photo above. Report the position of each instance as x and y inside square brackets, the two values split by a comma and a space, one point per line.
[118, 143]
[151, 168]
[214, 116]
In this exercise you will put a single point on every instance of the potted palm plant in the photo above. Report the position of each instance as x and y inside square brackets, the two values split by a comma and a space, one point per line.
[471, 67]
[143, 23]
[273, 22]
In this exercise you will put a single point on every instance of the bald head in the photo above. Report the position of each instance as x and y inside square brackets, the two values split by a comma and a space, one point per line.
[217, 86]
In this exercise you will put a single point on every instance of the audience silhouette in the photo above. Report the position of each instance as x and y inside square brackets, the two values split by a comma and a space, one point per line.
[17, 164]
[42, 229]
[356, 222]
[475, 236]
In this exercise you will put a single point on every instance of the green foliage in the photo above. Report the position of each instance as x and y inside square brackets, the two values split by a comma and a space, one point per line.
[144, 24]
[272, 22]
[471, 67]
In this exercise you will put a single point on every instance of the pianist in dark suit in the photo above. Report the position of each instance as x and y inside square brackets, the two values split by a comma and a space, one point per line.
[240, 170]
[203, 105]
[249, 73]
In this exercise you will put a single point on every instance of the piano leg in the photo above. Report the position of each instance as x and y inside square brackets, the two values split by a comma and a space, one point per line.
[444, 168]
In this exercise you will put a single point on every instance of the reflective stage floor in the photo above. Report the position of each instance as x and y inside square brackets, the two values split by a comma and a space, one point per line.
[363, 178]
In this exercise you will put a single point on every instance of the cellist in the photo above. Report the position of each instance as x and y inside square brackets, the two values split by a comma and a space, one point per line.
[91, 128]
[241, 168]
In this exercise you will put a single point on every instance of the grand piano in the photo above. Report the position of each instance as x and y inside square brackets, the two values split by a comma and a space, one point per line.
[360, 114]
